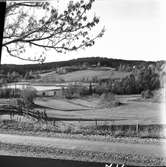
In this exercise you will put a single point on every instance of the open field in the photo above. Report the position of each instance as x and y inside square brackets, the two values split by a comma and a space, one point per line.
[82, 74]
[86, 116]
[59, 104]
[130, 111]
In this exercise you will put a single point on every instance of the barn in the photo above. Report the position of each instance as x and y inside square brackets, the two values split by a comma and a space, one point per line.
[51, 93]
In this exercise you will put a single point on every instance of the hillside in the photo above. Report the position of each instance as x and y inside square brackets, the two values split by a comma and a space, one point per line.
[107, 62]
[82, 75]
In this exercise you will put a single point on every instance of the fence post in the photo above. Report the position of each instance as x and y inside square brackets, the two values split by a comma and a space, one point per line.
[96, 123]
[137, 128]
[54, 123]
[10, 116]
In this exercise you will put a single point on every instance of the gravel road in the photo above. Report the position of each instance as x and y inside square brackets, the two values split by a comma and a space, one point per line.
[141, 150]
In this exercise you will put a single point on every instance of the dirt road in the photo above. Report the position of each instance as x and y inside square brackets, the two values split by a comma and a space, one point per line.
[97, 146]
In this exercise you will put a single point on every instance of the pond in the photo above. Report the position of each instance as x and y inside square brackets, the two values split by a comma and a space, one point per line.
[43, 87]
[37, 87]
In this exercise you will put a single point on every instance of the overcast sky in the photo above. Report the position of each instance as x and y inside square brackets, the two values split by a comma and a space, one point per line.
[135, 30]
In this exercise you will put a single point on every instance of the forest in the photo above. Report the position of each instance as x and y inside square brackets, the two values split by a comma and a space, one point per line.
[108, 62]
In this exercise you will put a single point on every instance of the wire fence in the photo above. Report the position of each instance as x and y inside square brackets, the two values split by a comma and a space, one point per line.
[121, 127]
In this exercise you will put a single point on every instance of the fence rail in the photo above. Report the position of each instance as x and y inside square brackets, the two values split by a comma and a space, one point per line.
[41, 114]
[101, 125]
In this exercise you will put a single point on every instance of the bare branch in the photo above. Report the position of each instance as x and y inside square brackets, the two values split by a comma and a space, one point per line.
[26, 59]
[68, 31]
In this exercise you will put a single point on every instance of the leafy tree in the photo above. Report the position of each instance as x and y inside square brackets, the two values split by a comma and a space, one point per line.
[128, 84]
[28, 75]
[147, 94]
[13, 77]
[94, 79]
[65, 31]
[28, 96]
[148, 79]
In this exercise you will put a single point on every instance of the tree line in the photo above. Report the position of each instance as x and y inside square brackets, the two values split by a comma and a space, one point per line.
[135, 83]
[118, 64]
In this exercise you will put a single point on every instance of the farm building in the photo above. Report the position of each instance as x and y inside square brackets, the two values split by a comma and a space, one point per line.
[51, 93]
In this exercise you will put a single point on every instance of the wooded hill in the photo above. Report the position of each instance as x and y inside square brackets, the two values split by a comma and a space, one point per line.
[91, 61]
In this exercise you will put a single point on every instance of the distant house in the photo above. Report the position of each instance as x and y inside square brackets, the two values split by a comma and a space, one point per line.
[66, 69]
[61, 70]
[51, 93]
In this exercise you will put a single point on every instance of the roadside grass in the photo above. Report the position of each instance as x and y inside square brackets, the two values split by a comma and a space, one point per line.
[142, 131]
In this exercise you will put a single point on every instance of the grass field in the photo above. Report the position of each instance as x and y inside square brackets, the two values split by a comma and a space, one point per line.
[131, 111]
[116, 121]
[79, 75]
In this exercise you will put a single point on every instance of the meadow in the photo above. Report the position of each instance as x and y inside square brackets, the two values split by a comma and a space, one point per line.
[130, 112]
[86, 75]
[135, 117]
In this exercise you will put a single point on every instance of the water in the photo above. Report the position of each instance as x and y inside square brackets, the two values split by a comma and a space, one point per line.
[37, 87]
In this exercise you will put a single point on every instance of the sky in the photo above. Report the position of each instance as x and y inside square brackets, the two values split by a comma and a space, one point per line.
[135, 30]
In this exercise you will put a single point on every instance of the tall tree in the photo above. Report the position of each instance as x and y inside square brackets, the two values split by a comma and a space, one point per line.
[40, 24]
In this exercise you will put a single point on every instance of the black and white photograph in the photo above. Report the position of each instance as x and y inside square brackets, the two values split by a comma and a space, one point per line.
[82, 83]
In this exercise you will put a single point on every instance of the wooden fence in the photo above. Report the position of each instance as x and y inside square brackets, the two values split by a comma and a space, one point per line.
[101, 125]
[40, 114]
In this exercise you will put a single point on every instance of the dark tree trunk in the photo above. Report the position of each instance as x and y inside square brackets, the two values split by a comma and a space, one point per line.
[2, 21]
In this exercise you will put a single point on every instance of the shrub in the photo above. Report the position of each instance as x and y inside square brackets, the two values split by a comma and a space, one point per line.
[28, 96]
[109, 100]
[147, 94]
[9, 93]
[74, 91]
